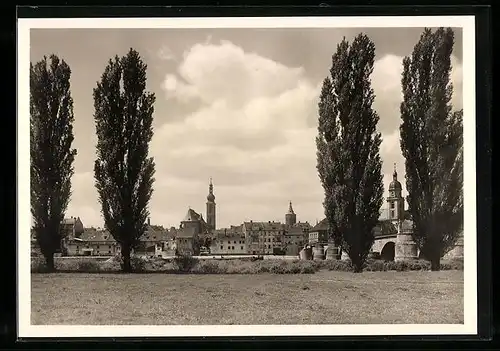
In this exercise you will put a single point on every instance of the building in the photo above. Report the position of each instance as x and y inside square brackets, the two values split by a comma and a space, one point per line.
[152, 242]
[72, 227]
[211, 208]
[93, 242]
[192, 230]
[318, 235]
[228, 241]
[186, 241]
[294, 239]
[295, 234]
[264, 238]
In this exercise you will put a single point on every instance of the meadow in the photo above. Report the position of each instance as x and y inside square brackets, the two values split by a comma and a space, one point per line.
[325, 297]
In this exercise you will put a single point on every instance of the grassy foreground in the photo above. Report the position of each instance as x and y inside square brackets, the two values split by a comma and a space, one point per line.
[326, 297]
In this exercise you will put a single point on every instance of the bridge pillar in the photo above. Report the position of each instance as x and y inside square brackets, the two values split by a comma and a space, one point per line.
[406, 248]
[332, 252]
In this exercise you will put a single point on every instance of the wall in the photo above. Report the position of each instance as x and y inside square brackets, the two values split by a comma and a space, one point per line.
[185, 246]
[99, 248]
[229, 245]
[320, 236]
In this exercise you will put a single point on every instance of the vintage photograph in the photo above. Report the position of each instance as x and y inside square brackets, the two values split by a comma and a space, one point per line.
[221, 176]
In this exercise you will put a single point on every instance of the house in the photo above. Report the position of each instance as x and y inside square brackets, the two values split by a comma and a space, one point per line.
[186, 241]
[152, 242]
[72, 227]
[264, 238]
[295, 238]
[319, 233]
[93, 242]
[228, 241]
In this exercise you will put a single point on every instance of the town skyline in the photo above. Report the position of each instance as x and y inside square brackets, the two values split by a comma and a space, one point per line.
[230, 107]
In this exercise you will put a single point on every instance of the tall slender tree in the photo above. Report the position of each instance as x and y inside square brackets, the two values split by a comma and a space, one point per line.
[52, 155]
[348, 144]
[431, 142]
[123, 171]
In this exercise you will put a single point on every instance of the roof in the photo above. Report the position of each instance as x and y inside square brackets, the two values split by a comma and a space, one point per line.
[295, 230]
[193, 216]
[323, 225]
[395, 184]
[70, 221]
[92, 234]
[385, 227]
[232, 231]
[186, 232]
[255, 226]
[155, 233]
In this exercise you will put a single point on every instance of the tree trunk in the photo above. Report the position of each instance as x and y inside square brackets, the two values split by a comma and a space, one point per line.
[357, 264]
[49, 262]
[126, 265]
[435, 262]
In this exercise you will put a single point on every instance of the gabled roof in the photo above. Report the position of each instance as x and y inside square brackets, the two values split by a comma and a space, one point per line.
[92, 234]
[193, 216]
[323, 225]
[188, 232]
[155, 233]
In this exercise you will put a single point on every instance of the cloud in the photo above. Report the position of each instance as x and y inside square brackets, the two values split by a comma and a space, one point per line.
[226, 72]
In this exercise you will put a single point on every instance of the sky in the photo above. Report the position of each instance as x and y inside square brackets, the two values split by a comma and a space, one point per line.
[237, 105]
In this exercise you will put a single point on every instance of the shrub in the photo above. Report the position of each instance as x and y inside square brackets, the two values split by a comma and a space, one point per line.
[88, 266]
[185, 263]
[38, 266]
[375, 266]
[208, 267]
[453, 264]
[138, 263]
[337, 265]
[306, 267]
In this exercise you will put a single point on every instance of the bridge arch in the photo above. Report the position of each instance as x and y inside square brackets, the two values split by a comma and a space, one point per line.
[388, 251]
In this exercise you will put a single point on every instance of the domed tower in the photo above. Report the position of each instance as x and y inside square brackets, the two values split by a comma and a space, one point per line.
[211, 207]
[290, 217]
[395, 199]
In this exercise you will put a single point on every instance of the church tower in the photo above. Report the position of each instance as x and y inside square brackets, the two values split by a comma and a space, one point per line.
[290, 217]
[211, 207]
[395, 199]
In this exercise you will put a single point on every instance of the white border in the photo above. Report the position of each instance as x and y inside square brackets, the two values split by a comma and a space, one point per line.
[25, 329]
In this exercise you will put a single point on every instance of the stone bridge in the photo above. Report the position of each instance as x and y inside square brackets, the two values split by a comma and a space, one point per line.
[385, 245]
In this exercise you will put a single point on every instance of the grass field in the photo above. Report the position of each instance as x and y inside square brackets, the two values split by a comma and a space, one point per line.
[327, 297]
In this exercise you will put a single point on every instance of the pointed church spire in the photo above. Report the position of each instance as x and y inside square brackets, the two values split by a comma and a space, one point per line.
[290, 208]
[211, 196]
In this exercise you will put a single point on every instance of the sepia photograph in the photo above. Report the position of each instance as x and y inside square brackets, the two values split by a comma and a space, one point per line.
[246, 176]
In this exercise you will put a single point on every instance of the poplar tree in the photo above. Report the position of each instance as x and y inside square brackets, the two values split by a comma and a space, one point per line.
[123, 170]
[51, 152]
[348, 160]
[431, 142]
